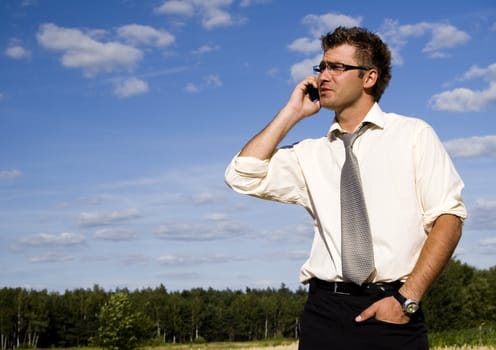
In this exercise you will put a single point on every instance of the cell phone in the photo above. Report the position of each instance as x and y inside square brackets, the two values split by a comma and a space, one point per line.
[313, 93]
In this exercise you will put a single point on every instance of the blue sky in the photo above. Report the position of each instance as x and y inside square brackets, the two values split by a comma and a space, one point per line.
[118, 118]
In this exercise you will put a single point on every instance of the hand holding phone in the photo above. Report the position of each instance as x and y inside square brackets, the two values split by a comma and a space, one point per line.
[313, 93]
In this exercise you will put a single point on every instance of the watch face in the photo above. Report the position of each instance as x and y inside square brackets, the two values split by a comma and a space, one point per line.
[411, 308]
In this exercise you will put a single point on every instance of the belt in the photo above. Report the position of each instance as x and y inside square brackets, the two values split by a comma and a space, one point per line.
[346, 288]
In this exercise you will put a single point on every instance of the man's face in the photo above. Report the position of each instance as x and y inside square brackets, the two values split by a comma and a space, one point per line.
[340, 89]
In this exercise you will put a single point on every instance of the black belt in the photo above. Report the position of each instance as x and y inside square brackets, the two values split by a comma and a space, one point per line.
[346, 288]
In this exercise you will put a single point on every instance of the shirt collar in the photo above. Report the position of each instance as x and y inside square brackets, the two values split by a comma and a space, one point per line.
[374, 116]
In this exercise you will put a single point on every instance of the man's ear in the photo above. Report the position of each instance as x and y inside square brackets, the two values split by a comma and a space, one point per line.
[370, 78]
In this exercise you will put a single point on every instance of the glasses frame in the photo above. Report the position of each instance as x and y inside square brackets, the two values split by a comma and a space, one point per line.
[336, 67]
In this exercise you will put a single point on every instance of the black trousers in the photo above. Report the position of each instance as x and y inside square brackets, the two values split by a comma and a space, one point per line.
[327, 323]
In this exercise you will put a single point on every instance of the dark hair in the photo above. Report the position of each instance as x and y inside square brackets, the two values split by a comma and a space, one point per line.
[371, 51]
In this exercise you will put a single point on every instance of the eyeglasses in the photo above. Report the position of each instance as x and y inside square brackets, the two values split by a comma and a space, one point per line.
[335, 68]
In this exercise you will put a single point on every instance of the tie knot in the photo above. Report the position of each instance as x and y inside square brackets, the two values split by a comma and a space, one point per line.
[347, 139]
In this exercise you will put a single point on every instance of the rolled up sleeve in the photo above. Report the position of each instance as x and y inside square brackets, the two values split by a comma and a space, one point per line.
[439, 185]
[279, 178]
[245, 174]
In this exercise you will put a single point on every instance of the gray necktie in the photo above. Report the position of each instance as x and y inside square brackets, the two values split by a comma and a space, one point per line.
[356, 242]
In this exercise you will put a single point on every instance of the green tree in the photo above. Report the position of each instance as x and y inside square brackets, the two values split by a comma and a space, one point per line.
[443, 304]
[153, 302]
[8, 317]
[479, 298]
[121, 327]
[36, 315]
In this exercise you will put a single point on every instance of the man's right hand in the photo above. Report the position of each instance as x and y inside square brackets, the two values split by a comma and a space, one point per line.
[298, 107]
[300, 102]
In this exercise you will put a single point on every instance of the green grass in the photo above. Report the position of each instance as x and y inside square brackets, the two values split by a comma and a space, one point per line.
[223, 345]
[209, 346]
[484, 335]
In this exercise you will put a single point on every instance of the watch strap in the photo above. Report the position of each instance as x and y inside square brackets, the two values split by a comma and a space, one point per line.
[409, 306]
[401, 299]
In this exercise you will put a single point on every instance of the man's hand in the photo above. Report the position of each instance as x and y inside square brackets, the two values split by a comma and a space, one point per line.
[300, 101]
[387, 310]
[299, 106]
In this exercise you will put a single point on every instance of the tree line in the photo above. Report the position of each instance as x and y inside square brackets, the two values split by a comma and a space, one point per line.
[462, 297]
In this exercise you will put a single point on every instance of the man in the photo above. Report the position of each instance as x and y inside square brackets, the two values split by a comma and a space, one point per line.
[411, 192]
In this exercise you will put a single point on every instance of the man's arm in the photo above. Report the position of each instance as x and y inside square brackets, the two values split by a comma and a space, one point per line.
[435, 254]
[299, 106]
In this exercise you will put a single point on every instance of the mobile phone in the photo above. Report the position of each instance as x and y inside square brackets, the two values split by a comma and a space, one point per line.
[313, 93]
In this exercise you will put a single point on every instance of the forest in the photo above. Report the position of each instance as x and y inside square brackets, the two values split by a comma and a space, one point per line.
[463, 297]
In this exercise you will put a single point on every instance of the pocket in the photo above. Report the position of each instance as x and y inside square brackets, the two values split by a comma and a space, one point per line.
[410, 335]
[391, 323]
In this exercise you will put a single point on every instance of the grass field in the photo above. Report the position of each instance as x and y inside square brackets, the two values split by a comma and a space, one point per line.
[289, 346]
[293, 346]
[247, 346]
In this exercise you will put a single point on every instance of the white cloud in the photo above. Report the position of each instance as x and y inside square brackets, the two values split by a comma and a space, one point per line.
[17, 52]
[28, 3]
[134, 259]
[105, 218]
[273, 72]
[139, 34]
[192, 88]
[475, 146]
[488, 73]
[483, 215]
[176, 7]
[212, 80]
[491, 241]
[80, 50]
[48, 239]
[397, 36]
[443, 36]
[50, 258]
[320, 25]
[464, 99]
[111, 234]
[247, 3]
[216, 217]
[488, 246]
[215, 17]
[297, 233]
[220, 229]
[193, 260]
[9, 174]
[303, 69]
[305, 45]
[203, 198]
[205, 49]
[212, 12]
[130, 87]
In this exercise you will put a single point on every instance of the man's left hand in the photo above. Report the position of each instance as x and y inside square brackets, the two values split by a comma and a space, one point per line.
[386, 310]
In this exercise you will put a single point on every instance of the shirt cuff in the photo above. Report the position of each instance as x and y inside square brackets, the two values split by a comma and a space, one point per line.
[429, 219]
[251, 166]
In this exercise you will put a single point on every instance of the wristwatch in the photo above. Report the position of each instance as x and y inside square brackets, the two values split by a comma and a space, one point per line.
[409, 306]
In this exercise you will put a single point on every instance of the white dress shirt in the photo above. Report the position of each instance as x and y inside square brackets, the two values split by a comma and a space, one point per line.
[408, 181]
